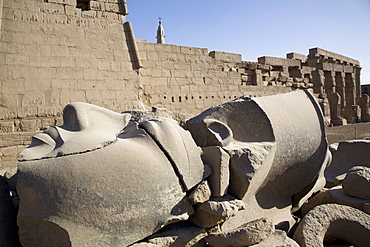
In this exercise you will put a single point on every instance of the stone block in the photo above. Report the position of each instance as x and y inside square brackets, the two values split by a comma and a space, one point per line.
[216, 211]
[8, 113]
[248, 165]
[89, 14]
[16, 59]
[278, 238]
[188, 50]
[178, 235]
[95, 5]
[246, 235]
[26, 111]
[201, 193]
[55, 1]
[30, 125]
[110, 95]
[226, 57]
[218, 160]
[349, 154]
[113, 7]
[46, 123]
[11, 151]
[7, 127]
[357, 182]
[69, 2]
[73, 11]
[50, 8]
[352, 225]
[9, 100]
[59, 51]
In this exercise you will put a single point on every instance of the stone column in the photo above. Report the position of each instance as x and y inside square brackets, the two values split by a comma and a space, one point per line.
[318, 81]
[348, 111]
[258, 77]
[329, 88]
[339, 87]
[357, 84]
[357, 71]
[329, 84]
[335, 109]
[350, 87]
[365, 113]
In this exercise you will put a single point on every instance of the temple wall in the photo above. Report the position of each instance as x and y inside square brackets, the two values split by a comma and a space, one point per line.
[189, 79]
[52, 54]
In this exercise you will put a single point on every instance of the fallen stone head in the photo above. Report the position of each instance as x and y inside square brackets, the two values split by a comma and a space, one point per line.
[103, 180]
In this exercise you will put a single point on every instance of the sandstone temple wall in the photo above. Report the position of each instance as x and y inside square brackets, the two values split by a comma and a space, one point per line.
[189, 79]
[53, 53]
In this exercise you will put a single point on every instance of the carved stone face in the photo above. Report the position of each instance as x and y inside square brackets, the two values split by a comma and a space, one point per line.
[98, 181]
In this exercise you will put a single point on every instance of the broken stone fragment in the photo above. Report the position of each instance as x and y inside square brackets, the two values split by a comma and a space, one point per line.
[333, 221]
[357, 182]
[145, 244]
[216, 210]
[201, 193]
[182, 234]
[277, 239]
[249, 162]
[349, 154]
[334, 195]
[338, 180]
[218, 160]
[248, 234]
[226, 206]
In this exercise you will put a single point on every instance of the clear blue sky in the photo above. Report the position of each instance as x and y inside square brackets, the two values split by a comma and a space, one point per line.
[256, 28]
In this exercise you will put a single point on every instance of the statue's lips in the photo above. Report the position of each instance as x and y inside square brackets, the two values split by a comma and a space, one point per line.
[46, 139]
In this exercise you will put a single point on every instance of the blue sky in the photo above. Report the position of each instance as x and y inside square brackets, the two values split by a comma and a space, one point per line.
[256, 28]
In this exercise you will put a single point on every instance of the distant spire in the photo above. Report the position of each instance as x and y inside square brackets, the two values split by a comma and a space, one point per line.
[160, 33]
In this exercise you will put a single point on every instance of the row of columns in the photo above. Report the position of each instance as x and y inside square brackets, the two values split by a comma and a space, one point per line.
[343, 91]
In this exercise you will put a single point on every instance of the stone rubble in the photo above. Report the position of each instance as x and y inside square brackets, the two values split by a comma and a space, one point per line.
[245, 235]
[357, 182]
[333, 221]
[278, 239]
[201, 193]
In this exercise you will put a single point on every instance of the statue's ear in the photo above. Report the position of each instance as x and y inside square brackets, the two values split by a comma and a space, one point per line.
[222, 134]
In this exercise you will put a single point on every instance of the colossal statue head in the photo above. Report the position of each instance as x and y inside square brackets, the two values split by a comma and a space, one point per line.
[102, 179]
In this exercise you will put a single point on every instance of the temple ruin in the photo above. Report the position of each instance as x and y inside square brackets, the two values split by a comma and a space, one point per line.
[240, 157]
[54, 52]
